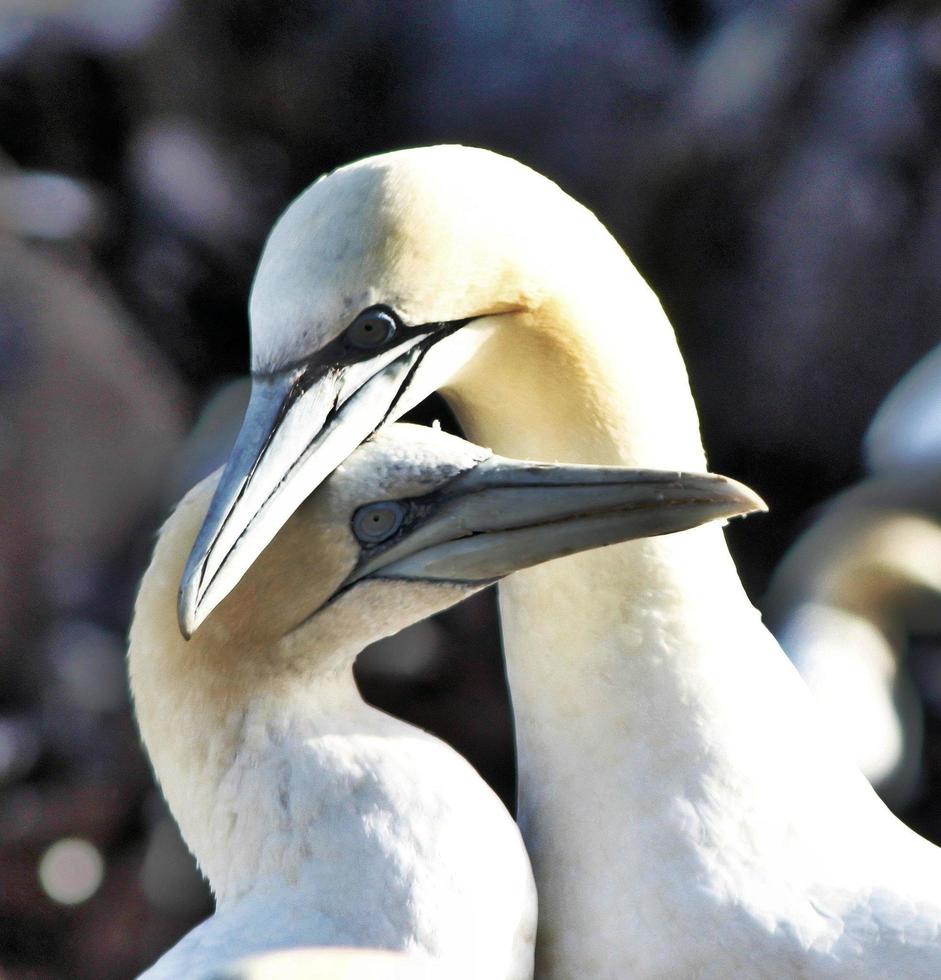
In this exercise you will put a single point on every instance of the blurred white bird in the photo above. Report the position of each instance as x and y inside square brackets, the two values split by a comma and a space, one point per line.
[686, 810]
[317, 819]
[863, 578]
[844, 602]
[906, 430]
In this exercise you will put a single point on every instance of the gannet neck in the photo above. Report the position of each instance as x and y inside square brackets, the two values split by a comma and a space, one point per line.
[853, 669]
[677, 791]
[589, 372]
[266, 761]
[318, 820]
[332, 824]
[855, 587]
[329, 964]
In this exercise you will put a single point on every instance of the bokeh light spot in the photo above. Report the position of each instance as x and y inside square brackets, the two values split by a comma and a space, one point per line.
[71, 871]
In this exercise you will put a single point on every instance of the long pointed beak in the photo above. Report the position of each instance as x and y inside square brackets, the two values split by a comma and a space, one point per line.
[298, 428]
[503, 516]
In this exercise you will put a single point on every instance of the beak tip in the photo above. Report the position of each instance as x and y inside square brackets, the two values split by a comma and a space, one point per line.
[185, 622]
[187, 612]
[747, 500]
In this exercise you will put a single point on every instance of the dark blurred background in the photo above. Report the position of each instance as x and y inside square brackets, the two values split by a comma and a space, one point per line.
[773, 168]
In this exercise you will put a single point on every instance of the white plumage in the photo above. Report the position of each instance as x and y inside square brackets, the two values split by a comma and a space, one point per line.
[686, 812]
[318, 820]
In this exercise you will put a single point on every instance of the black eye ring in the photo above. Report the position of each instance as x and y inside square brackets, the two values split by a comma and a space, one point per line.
[371, 329]
[377, 522]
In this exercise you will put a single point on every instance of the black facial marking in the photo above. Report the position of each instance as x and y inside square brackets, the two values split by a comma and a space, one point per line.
[340, 352]
[413, 511]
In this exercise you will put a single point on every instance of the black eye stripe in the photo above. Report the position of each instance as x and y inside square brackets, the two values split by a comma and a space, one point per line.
[337, 353]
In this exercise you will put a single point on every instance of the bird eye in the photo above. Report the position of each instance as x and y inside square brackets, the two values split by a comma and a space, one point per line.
[378, 522]
[371, 329]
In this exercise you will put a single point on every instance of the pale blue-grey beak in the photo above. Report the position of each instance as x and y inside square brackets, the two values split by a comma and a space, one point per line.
[505, 515]
[299, 426]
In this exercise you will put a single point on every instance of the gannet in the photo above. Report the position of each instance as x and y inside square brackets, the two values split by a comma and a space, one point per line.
[318, 819]
[685, 810]
[844, 602]
[852, 589]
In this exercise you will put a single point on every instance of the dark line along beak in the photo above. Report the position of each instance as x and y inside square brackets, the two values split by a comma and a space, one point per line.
[294, 435]
[503, 516]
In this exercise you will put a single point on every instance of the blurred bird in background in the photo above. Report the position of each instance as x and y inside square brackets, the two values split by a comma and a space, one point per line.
[774, 171]
[856, 600]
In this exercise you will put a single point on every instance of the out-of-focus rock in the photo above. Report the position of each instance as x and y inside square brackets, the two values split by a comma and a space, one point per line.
[182, 174]
[108, 25]
[92, 418]
[47, 206]
[19, 747]
[87, 664]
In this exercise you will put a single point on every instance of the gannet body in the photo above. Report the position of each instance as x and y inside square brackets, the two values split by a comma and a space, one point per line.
[684, 808]
[844, 602]
[319, 820]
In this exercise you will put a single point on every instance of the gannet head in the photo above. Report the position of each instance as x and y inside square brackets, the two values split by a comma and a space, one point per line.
[380, 284]
[415, 520]
[435, 236]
